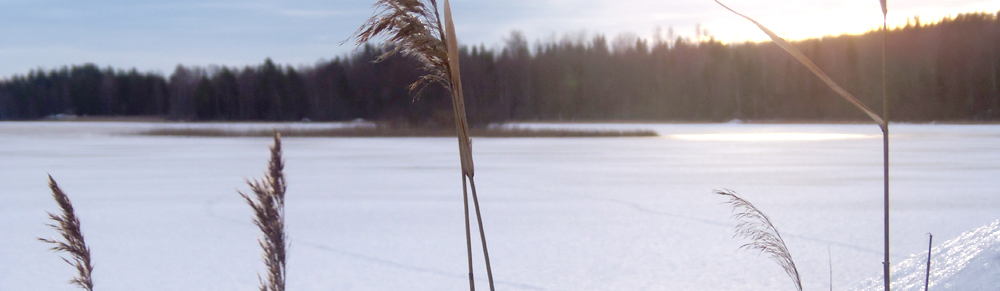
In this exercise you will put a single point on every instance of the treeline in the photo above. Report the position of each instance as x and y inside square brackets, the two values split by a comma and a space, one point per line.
[944, 71]
[335, 90]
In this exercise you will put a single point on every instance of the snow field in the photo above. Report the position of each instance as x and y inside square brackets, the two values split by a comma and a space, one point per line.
[162, 213]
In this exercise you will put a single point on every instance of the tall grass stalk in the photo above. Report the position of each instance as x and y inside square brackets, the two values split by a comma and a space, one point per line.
[885, 147]
[414, 28]
[882, 122]
[927, 278]
[829, 259]
[268, 203]
[764, 237]
[68, 226]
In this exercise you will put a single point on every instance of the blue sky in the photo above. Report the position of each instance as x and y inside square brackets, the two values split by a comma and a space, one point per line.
[158, 35]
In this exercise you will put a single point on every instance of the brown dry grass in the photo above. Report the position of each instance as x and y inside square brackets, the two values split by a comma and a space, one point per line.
[68, 226]
[764, 237]
[414, 27]
[268, 203]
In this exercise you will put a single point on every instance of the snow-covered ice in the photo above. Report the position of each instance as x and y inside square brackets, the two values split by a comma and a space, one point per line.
[162, 213]
[969, 262]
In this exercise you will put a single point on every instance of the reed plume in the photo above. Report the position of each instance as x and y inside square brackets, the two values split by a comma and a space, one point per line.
[268, 203]
[764, 237]
[68, 226]
[414, 28]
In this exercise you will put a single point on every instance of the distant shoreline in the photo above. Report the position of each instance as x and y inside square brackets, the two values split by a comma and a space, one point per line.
[160, 119]
[387, 131]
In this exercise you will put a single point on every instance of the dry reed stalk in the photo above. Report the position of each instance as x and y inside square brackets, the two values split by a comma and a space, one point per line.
[415, 29]
[68, 226]
[930, 244]
[885, 148]
[781, 42]
[268, 204]
[764, 237]
[829, 259]
[457, 97]
[883, 121]
[462, 128]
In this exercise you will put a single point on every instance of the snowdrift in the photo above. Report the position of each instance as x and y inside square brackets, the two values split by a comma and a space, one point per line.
[969, 262]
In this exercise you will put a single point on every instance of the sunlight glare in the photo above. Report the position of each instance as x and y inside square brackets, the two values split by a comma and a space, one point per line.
[769, 136]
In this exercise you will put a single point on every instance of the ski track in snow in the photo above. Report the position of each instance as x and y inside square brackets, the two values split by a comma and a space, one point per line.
[210, 211]
[969, 262]
[640, 208]
[643, 209]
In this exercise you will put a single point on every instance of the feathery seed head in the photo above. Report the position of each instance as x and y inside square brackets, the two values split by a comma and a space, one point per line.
[410, 27]
[756, 226]
[268, 204]
[68, 226]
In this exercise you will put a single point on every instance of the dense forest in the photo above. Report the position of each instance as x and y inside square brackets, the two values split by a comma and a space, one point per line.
[943, 71]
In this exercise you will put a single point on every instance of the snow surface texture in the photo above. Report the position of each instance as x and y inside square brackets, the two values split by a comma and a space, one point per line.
[969, 262]
[162, 213]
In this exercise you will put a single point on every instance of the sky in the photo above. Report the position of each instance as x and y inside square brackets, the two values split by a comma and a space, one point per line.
[158, 35]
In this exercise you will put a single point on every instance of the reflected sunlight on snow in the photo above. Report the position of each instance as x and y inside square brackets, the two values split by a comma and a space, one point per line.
[769, 136]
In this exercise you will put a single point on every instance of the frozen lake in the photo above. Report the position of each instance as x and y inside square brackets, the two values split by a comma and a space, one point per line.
[162, 213]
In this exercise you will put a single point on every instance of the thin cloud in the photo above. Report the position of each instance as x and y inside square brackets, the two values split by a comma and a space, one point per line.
[233, 6]
[312, 13]
[193, 32]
